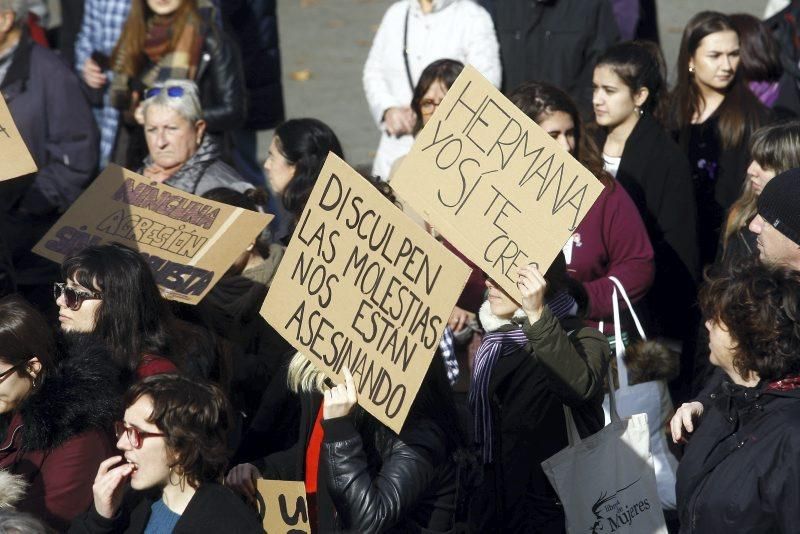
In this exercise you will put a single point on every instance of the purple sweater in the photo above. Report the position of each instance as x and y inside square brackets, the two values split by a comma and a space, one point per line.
[611, 241]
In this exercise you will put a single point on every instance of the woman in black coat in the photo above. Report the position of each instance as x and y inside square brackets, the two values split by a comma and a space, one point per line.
[739, 469]
[360, 476]
[628, 90]
[534, 360]
[168, 476]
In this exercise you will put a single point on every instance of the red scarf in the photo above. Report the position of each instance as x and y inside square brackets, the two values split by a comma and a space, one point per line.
[785, 384]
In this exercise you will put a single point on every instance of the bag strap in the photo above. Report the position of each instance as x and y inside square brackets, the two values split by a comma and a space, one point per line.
[405, 50]
[573, 436]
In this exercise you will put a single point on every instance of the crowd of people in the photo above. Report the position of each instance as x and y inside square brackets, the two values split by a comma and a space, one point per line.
[121, 411]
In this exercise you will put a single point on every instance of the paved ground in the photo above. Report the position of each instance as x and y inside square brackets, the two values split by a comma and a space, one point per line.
[330, 40]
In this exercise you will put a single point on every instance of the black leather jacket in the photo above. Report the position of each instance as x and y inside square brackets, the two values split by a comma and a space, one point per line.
[370, 479]
[221, 82]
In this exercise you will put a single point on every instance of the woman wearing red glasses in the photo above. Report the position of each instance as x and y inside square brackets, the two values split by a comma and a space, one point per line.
[54, 417]
[173, 445]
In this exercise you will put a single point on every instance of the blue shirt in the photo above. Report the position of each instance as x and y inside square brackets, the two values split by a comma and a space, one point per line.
[162, 519]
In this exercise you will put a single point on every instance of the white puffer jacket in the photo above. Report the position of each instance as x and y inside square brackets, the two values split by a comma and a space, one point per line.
[454, 29]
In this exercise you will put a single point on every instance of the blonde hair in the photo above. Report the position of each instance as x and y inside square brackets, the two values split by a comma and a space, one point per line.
[774, 148]
[304, 376]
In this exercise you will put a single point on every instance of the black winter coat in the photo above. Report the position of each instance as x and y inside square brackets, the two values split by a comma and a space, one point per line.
[57, 125]
[739, 472]
[656, 174]
[254, 25]
[554, 41]
[213, 509]
[370, 479]
[528, 390]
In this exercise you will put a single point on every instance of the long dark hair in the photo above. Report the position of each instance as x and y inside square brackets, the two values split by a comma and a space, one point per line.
[304, 143]
[738, 113]
[760, 55]
[442, 70]
[25, 333]
[639, 64]
[537, 100]
[133, 319]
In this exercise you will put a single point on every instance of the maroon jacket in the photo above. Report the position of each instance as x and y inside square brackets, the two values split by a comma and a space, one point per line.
[60, 434]
[611, 241]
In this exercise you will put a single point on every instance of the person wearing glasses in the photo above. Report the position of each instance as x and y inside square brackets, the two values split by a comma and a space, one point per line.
[56, 413]
[110, 297]
[180, 153]
[412, 34]
[173, 39]
[173, 454]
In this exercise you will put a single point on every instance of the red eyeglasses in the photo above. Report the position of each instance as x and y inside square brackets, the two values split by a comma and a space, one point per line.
[135, 436]
[73, 297]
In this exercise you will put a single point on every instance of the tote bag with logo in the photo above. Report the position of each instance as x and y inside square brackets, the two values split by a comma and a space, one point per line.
[606, 482]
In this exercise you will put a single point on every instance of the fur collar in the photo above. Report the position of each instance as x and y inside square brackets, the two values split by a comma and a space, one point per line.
[492, 323]
[83, 393]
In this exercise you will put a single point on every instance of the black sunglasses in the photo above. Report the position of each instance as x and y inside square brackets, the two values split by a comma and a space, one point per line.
[73, 297]
[10, 370]
[173, 91]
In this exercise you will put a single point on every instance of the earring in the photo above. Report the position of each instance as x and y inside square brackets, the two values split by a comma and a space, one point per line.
[691, 69]
[638, 110]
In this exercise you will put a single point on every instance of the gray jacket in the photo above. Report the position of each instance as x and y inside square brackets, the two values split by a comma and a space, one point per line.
[204, 171]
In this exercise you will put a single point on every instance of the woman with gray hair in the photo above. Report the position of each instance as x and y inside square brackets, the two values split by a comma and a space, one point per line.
[179, 152]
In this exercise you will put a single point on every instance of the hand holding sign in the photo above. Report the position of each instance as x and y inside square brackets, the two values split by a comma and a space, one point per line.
[340, 400]
[532, 285]
[242, 479]
[15, 159]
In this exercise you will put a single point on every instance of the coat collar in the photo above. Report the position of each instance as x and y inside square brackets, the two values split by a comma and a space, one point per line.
[20, 70]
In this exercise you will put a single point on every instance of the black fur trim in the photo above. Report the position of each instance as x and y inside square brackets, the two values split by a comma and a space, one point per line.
[83, 393]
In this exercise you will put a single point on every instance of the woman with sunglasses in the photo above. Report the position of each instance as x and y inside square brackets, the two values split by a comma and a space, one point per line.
[168, 477]
[173, 39]
[109, 295]
[180, 153]
[55, 413]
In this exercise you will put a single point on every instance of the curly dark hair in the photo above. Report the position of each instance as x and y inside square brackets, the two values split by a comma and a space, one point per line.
[194, 417]
[760, 306]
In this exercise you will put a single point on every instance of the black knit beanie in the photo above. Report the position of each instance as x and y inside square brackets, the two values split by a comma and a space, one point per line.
[779, 204]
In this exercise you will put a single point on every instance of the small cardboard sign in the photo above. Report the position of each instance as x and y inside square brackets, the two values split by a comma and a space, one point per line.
[189, 242]
[282, 506]
[495, 184]
[362, 286]
[15, 159]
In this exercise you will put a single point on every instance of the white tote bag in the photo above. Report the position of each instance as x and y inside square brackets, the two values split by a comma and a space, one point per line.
[651, 398]
[606, 482]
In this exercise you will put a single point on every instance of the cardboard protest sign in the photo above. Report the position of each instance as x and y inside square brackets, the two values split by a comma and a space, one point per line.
[495, 184]
[189, 242]
[15, 159]
[362, 286]
[282, 506]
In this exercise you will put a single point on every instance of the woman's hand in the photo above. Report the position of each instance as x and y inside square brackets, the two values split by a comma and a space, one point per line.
[532, 285]
[683, 421]
[108, 486]
[399, 121]
[459, 319]
[339, 400]
[242, 478]
[93, 75]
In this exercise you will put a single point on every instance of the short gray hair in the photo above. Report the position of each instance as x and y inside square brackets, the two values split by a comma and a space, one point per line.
[14, 522]
[187, 105]
[19, 7]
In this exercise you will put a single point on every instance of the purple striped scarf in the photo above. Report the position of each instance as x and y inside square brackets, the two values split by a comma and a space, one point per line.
[494, 346]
